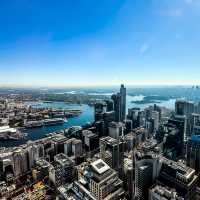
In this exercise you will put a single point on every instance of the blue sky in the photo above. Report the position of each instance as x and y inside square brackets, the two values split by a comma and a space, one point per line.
[99, 42]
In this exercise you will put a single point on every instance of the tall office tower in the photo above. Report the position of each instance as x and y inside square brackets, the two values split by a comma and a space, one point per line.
[180, 123]
[107, 118]
[150, 126]
[130, 141]
[41, 170]
[141, 118]
[195, 124]
[73, 147]
[143, 179]
[152, 117]
[58, 143]
[162, 192]
[133, 115]
[115, 129]
[91, 140]
[64, 169]
[35, 152]
[128, 177]
[77, 148]
[128, 126]
[119, 101]
[155, 116]
[178, 176]
[193, 152]
[104, 182]
[117, 106]
[148, 112]
[146, 171]
[112, 152]
[197, 108]
[123, 102]
[6, 166]
[68, 146]
[20, 160]
[99, 109]
[49, 153]
[183, 107]
[17, 162]
[100, 128]
[159, 110]
[109, 105]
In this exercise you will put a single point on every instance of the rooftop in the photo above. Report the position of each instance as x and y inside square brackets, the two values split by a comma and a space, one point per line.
[62, 159]
[166, 193]
[100, 166]
[115, 124]
[109, 140]
[182, 171]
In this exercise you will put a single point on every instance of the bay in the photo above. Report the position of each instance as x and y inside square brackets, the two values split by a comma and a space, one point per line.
[86, 116]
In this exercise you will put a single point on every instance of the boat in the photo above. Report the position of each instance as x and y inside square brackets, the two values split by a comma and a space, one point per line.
[33, 124]
[54, 121]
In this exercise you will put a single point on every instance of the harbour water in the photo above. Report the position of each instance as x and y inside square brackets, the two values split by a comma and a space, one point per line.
[86, 116]
[37, 133]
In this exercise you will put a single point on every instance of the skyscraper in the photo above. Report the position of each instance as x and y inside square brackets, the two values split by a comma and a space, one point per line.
[123, 102]
[99, 110]
[183, 107]
[119, 100]
[146, 171]
[64, 169]
[117, 106]
[115, 129]
[178, 176]
[104, 182]
[186, 109]
[193, 152]
[112, 151]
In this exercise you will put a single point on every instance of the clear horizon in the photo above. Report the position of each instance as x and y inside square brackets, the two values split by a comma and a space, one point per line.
[87, 43]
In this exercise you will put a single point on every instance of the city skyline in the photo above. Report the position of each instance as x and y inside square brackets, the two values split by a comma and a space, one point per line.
[149, 42]
[97, 147]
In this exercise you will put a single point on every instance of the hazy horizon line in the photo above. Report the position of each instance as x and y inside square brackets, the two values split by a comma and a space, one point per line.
[16, 86]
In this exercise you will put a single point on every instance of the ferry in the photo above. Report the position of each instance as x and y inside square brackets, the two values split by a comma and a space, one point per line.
[33, 124]
[53, 121]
